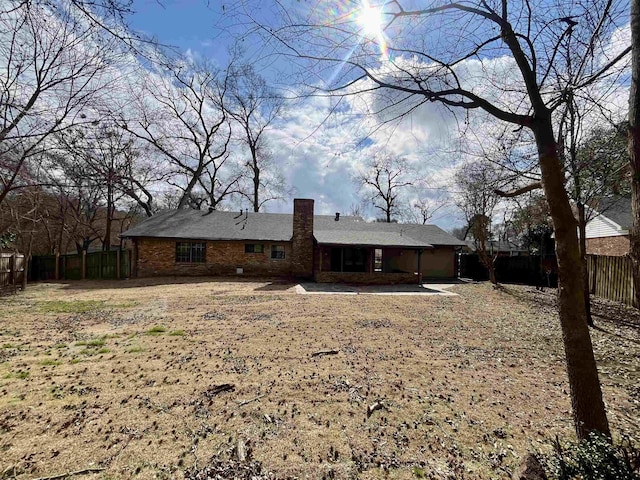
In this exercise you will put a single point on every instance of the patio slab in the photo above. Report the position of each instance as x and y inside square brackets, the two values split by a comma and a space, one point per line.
[310, 288]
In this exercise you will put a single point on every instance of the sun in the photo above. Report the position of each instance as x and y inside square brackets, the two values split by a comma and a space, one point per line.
[370, 19]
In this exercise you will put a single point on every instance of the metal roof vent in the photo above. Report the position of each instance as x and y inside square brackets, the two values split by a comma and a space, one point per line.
[337, 219]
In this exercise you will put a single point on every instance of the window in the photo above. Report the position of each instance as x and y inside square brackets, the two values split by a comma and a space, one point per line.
[277, 252]
[253, 248]
[377, 260]
[190, 252]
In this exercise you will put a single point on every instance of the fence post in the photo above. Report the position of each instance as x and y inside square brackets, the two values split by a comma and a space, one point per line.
[12, 270]
[594, 262]
[118, 264]
[57, 269]
[83, 267]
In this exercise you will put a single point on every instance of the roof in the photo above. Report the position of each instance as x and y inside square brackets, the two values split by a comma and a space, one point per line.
[618, 210]
[497, 246]
[367, 238]
[278, 227]
[218, 225]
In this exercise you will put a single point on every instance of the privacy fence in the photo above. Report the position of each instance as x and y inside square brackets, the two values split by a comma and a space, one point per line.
[11, 271]
[92, 266]
[525, 269]
[611, 278]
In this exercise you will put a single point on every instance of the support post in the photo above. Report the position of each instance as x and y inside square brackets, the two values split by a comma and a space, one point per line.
[57, 269]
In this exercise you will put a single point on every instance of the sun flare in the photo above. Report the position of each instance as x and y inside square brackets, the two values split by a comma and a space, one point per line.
[371, 21]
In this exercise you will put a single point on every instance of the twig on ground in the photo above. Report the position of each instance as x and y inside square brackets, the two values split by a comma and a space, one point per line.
[241, 452]
[377, 405]
[71, 474]
[214, 390]
[245, 402]
[325, 352]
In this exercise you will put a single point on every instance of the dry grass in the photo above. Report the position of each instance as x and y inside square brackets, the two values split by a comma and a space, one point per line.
[122, 376]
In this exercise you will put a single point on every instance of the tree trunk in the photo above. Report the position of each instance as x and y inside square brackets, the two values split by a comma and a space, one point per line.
[256, 187]
[106, 244]
[582, 227]
[634, 146]
[586, 396]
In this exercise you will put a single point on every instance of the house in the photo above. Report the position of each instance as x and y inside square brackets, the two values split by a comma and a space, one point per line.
[607, 233]
[499, 248]
[325, 248]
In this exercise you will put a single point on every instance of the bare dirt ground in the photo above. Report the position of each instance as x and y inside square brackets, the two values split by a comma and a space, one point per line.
[162, 379]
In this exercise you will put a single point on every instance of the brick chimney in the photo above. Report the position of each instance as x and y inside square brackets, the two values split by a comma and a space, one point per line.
[302, 240]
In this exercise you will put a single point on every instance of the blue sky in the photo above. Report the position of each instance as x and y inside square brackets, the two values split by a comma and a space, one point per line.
[186, 24]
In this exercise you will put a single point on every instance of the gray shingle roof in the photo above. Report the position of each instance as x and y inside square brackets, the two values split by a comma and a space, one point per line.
[617, 209]
[278, 227]
[202, 225]
[367, 238]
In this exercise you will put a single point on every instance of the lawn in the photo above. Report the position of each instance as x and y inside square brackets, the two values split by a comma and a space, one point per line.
[151, 379]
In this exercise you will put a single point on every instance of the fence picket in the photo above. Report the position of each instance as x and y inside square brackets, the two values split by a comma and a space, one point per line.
[612, 278]
[92, 266]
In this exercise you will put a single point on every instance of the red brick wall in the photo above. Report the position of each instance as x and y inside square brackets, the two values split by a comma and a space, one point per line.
[302, 241]
[157, 257]
[615, 246]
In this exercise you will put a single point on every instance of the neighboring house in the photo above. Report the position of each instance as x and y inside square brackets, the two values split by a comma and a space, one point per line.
[500, 248]
[607, 233]
[326, 248]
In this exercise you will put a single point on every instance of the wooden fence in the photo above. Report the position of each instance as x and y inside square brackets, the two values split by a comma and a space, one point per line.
[611, 278]
[11, 271]
[525, 269]
[93, 266]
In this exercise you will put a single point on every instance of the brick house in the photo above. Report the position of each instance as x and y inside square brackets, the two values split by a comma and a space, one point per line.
[304, 245]
[607, 233]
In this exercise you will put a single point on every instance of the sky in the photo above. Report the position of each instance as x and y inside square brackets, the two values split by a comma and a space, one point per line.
[319, 154]
[321, 146]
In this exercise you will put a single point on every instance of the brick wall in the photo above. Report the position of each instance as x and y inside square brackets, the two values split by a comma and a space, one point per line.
[614, 246]
[302, 240]
[371, 278]
[157, 257]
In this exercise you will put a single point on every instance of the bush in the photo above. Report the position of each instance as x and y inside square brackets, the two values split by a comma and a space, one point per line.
[594, 458]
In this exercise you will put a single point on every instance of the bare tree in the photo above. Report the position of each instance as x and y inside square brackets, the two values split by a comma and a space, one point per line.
[525, 91]
[254, 107]
[183, 117]
[383, 181]
[54, 69]
[595, 169]
[425, 208]
[476, 183]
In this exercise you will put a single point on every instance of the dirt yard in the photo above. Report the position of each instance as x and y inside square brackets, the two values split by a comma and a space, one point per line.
[155, 379]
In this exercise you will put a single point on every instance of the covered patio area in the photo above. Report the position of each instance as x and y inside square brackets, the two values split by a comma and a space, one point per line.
[367, 257]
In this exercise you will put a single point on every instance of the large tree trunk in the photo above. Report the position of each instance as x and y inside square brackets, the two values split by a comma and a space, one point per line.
[586, 396]
[634, 145]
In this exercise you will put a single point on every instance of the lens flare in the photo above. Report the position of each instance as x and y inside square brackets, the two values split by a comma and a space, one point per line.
[370, 18]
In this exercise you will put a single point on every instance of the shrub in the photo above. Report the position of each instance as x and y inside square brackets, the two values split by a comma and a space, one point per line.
[594, 458]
